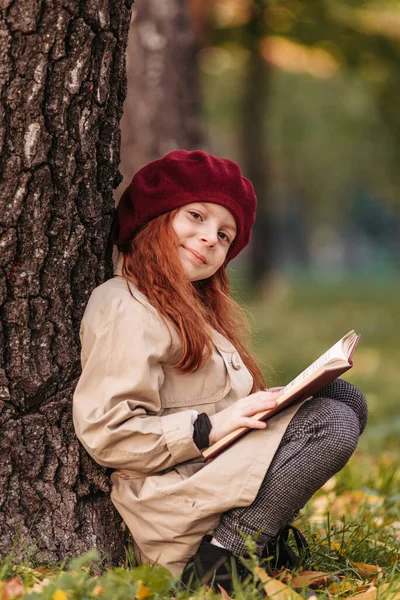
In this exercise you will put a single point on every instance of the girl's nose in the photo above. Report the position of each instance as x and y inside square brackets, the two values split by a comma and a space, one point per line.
[209, 237]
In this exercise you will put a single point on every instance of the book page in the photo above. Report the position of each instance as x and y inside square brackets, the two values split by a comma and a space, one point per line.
[333, 352]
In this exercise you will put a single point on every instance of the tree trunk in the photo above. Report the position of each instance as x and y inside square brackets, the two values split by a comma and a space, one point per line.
[254, 146]
[256, 166]
[162, 108]
[62, 88]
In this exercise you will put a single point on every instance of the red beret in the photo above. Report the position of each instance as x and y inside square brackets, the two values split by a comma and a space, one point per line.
[181, 177]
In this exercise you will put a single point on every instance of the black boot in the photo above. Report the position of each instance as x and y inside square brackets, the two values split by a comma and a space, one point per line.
[278, 553]
[213, 566]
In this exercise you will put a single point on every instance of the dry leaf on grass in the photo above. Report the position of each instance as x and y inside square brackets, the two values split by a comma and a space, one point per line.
[365, 570]
[310, 579]
[343, 587]
[13, 588]
[373, 592]
[224, 593]
[275, 588]
[98, 590]
[369, 594]
[44, 571]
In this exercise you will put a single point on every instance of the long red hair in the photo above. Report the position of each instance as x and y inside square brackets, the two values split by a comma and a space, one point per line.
[151, 259]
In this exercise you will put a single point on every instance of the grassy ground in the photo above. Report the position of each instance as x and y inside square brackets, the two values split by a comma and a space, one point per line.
[353, 523]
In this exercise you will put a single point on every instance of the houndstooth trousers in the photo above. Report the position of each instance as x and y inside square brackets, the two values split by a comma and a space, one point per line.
[317, 443]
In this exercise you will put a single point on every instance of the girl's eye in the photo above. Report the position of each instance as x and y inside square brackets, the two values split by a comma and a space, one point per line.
[223, 236]
[195, 214]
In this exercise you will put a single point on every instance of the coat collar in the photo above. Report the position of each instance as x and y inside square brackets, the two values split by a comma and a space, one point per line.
[118, 265]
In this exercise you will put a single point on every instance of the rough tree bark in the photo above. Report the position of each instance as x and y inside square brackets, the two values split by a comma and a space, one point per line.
[62, 87]
[162, 107]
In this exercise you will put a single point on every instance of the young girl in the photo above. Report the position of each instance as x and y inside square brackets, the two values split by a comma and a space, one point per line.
[166, 373]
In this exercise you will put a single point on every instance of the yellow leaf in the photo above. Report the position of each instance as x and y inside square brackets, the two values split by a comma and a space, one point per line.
[44, 570]
[373, 592]
[334, 588]
[276, 588]
[3, 591]
[143, 591]
[98, 590]
[362, 588]
[370, 594]
[309, 579]
[338, 547]
[59, 595]
[365, 570]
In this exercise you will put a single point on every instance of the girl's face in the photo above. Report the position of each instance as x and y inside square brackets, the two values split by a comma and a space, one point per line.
[205, 232]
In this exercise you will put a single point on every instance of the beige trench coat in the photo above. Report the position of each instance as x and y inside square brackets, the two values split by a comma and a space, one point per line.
[133, 412]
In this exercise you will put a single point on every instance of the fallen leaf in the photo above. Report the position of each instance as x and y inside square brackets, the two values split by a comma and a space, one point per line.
[44, 570]
[59, 595]
[274, 587]
[283, 574]
[310, 579]
[369, 594]
[98, 590]
[373, 592]
[365, 570]
[142, 592]
[13, 588]
[340, 548]
[334, 588]
[344, 587]
[224, 593]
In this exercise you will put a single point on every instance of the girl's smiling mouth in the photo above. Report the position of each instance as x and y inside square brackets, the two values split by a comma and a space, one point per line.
[197, 255]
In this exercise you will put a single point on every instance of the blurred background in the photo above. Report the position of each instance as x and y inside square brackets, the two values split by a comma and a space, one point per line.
[304, 96]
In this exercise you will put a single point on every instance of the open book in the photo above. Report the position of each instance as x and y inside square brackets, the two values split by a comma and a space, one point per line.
[325, 369]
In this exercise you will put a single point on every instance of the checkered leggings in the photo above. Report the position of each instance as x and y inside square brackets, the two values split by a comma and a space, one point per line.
[317, 443]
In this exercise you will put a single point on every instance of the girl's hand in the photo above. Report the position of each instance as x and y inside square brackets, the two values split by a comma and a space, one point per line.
[240, 414]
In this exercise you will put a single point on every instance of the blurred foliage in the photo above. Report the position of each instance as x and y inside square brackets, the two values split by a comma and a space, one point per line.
[357, 34]
[304, 316]
[331, 125]
[353, 47]
[325, 137]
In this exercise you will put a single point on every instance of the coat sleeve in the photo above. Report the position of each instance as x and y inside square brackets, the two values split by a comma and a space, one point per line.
[116, 401]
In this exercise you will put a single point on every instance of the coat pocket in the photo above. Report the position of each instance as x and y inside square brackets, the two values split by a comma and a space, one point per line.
[192, 390]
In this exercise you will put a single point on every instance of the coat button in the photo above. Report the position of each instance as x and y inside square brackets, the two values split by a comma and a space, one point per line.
[235, 361]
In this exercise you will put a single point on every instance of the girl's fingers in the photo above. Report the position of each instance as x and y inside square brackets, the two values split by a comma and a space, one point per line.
[268, 395]
[253, 423]
[258, 405]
